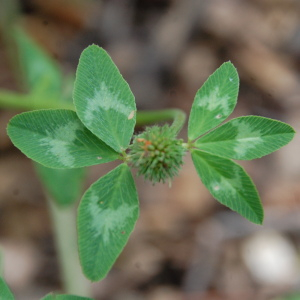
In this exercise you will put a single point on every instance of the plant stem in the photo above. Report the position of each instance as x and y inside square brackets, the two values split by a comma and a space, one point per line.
[152, 116]
[64, 226]
[13, 100]
[1, 263]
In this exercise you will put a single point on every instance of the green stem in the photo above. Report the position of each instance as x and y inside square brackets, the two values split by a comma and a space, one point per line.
[1, 263]
[153, 116]
[13, 100]
[64, 226]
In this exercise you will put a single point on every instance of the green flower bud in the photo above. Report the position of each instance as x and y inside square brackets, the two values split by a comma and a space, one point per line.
[157, 154]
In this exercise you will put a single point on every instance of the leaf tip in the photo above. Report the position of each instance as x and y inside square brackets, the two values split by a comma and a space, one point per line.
[259, 221]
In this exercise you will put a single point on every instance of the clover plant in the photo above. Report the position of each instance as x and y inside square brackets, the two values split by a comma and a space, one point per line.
[101, 129]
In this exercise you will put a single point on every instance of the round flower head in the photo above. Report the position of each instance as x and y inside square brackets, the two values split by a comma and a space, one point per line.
[157, 154]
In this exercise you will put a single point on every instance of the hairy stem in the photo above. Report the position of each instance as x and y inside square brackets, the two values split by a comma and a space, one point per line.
[64, 226]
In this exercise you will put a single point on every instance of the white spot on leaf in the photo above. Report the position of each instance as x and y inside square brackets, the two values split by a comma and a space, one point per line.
[59, 141]
[247, 138]
[105, 99]
[214, 101]
[228, 185]
[106, 221]
[131, 115]
[219, 116]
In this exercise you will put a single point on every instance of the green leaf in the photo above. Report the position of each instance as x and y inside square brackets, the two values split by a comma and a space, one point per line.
[57, 139]
[64, 185]
[5, 293]
[214, 101]
[246, 138]
[103, 99]
[229, 184]
[40, 72]
[106, 217]
[64, 297]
